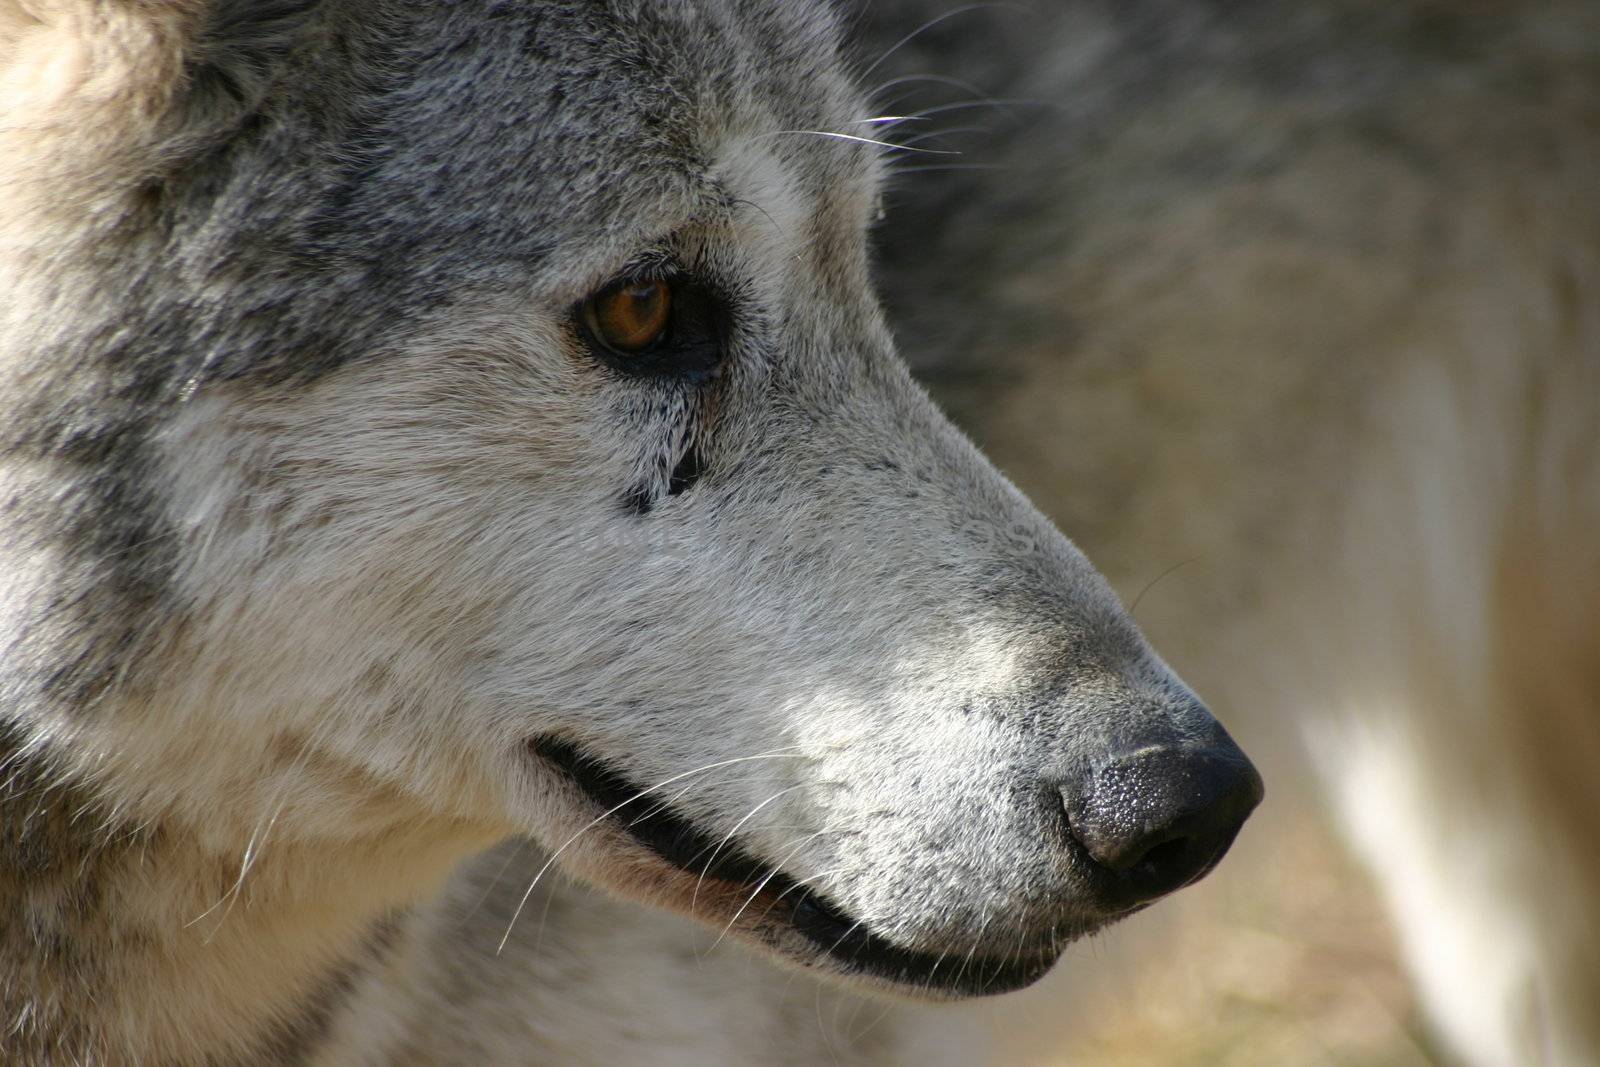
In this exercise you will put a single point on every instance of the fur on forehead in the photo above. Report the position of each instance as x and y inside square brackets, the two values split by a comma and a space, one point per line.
[257, 142]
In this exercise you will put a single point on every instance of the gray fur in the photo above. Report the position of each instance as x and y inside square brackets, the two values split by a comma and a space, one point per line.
[317, 512]
[1297, 299]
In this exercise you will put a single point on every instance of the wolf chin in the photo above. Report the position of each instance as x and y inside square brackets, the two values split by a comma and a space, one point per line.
[436, 425]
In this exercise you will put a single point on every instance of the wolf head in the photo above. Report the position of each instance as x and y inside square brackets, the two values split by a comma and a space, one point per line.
[480, 414]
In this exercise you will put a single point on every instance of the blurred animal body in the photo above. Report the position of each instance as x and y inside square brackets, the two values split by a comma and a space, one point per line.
[431, 425]
[1299, 301]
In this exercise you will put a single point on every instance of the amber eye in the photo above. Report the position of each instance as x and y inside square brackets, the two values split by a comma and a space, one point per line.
[630, 317]
[672, 326]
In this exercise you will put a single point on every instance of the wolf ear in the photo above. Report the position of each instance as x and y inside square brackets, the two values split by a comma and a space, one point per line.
[92, 93]
[82, 85]
[66, 57]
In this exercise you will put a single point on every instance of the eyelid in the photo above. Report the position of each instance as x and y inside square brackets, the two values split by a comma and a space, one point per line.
[656, 263]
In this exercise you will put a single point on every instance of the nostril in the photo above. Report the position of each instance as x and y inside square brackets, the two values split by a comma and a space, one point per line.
[1165, 854]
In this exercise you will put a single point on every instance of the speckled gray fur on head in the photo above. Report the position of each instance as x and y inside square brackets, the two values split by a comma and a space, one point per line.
[317, 503]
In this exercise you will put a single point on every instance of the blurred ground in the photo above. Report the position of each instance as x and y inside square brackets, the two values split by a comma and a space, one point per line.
[1282, 958]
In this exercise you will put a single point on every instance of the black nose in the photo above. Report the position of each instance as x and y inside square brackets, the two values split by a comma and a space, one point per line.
[1162, 815]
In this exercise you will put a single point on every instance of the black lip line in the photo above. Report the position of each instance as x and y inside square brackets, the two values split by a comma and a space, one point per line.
[676, 841]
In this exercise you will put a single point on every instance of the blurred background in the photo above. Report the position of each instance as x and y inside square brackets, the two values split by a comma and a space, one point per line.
[1287, 313]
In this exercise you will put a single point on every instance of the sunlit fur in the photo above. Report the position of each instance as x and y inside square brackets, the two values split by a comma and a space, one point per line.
[315, 511]
[1292, 307]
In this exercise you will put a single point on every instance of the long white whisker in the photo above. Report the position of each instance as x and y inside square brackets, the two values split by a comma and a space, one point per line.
[860, 140]
[947, 132]
[253, 848]
[827, 873]
[603, 816]
[1022, 938]
[666, 804]
[853, 928]
[924, 28]
[928, 980]
[704, 870]
[942, 79]
[803, 882]
[967, 105]
[822, 1029]
[756, 892]
[949, 166]
[887, 1008]
[972, 952]
[501, 873]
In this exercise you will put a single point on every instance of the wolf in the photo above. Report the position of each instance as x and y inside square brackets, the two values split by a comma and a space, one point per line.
[1297, 303]
[435, 425]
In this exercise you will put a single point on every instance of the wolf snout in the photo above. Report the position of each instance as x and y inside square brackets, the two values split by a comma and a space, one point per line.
[1156, 817]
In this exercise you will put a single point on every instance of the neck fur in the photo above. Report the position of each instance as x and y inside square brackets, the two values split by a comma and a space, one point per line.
[125, 942]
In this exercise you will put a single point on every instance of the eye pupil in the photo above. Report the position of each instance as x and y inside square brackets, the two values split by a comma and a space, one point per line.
[633, 316]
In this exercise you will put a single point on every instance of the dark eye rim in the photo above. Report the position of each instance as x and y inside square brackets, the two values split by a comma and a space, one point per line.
[690, 348]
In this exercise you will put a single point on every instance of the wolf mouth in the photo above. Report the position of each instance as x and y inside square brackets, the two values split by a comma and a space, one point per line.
[676, 841]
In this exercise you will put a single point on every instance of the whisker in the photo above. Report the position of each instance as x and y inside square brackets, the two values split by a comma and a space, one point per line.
[925, 27]
[253, 849]
[941, 79]
[949, 132]
[1022, 938]
[798, 255]
[666, 804]
[992, 101]
[854, 1037]
[494, 882]
[802, 883]
[603, 816]
[706, 869]
[830, 872]
[927, 981]
[858, 139]
[882, 118]
[756, 892]
[950, 166]
[822, 1029]
[972, 952]
[1151, 584]
[842, 937]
